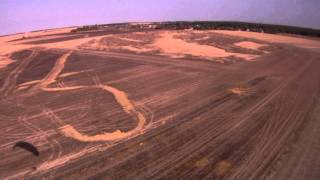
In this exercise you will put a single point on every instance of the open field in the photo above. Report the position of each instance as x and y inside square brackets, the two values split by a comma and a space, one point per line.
[160, 105]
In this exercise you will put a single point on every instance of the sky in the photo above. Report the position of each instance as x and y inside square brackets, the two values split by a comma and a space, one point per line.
[27, 15]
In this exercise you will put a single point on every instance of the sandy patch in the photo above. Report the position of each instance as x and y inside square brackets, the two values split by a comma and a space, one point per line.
[202, 162]
[7, 48]
[167, 44]
[170, 45]
[240, 91]
[177, 47]
[223, 167]
[250, 45]
[10, 47]
[273, 38]
[34, 34]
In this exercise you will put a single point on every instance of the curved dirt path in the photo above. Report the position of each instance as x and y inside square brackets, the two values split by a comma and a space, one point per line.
[128, 107]
[120, 96]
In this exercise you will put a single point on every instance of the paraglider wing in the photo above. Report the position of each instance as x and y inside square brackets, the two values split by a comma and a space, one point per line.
[27, 146]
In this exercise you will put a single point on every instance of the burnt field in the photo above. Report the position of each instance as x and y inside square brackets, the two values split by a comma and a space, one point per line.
[98, 114]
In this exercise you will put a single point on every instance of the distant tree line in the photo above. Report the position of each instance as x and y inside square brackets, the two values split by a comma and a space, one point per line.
[99, 27]
[215, 25]
[86, 28]
[244, 26]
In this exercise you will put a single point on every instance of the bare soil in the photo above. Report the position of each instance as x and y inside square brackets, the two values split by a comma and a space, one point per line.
[116, 114]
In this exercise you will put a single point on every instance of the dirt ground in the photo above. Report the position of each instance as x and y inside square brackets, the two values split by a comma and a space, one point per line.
[160, 105]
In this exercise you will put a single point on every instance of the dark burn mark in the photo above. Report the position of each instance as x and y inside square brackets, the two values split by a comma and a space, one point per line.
[257, 80]
[27, 146]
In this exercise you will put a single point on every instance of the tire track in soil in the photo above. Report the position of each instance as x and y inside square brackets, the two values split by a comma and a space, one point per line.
[10, 82]
[66, 129]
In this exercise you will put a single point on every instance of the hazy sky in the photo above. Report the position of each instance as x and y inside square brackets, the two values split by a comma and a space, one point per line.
[26, 15]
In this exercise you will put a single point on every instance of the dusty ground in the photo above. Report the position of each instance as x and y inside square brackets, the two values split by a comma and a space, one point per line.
[160, 105]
